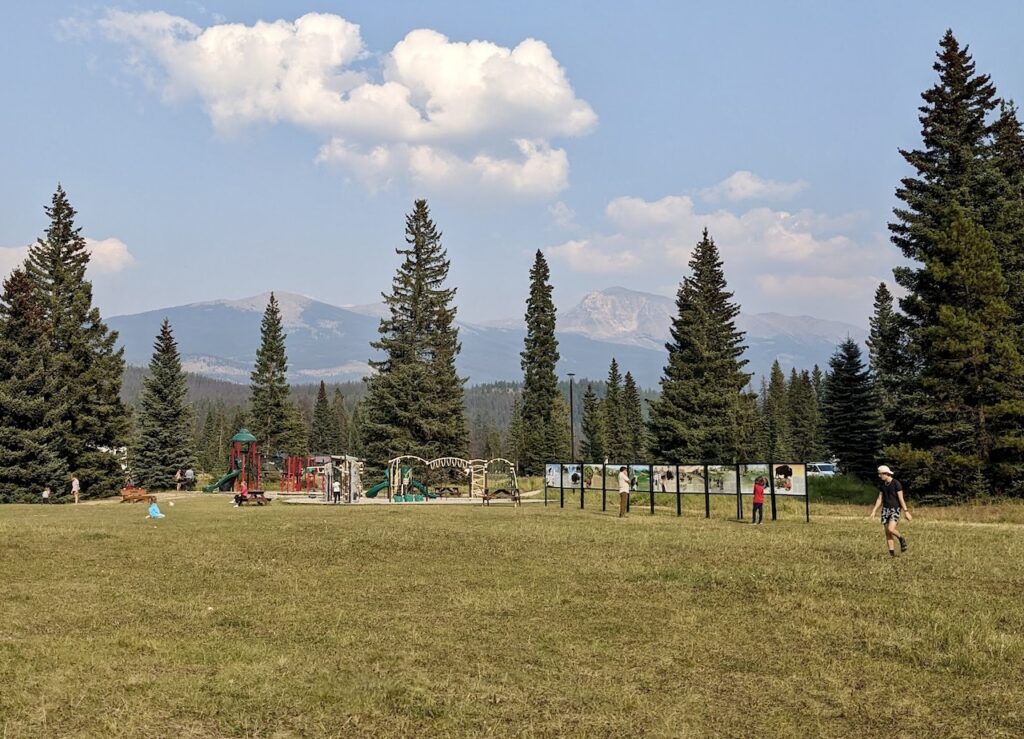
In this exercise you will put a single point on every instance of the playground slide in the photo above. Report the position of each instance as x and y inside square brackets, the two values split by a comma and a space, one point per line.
[372, 492]
[217, 485]
[423, 489]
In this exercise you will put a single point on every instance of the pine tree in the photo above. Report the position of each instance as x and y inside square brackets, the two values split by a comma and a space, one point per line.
[636, 431]
[594, 442]
[293, 437]
[29, 459]
[80, 357]
[614, 412]
[776, 413]
[341, 423]
[694, 418]
[747, 420]
[356, 447]
[963, 226]
[515, 438]
[271, 414]
[540, 384]
[165, 418]
[890, 369]
[804, 418]
[1005, 216]
[817, 382]
[949, 169]
[850, 410]
[323, 438]
[971, 374]
[414, 403]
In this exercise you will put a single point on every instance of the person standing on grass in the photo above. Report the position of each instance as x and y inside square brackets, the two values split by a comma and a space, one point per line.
[336, 487]
[76, 487]
[890, 498]
[177, 481]
[46, 494]
[757, 515]
[624, 485]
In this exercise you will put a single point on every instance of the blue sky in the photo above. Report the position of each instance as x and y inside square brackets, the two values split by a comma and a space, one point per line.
[282, 151]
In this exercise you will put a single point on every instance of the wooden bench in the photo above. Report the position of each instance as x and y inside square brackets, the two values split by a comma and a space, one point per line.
[136, 495]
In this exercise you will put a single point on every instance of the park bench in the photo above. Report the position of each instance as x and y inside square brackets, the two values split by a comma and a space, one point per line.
[136, 495]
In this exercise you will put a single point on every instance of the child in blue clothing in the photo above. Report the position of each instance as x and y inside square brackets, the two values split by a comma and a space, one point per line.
[154, 511]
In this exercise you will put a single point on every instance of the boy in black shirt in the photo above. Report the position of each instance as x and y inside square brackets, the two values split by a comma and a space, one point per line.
[890, 498]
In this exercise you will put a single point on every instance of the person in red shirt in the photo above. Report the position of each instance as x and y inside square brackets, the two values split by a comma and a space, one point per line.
[757, 517]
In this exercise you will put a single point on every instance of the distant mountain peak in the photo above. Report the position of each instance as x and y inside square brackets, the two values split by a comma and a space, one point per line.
[292, 305]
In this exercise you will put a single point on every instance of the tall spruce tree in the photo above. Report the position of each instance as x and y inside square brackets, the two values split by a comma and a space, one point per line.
[414, 402]
[80, 356]
[804, 418]
[971, 373]
[1005, 216]
[594, 442]
[540, 384]
[270, 414]
[694, 418]
[29, 459]
[613, 409]
[636, 430]
[323, 437]
[948, 169]
[850, 410]
[890, 369]
[776, 417]
[960, 211]
[163, 444]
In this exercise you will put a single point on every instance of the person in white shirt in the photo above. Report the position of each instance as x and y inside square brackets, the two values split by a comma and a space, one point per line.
[623, 491]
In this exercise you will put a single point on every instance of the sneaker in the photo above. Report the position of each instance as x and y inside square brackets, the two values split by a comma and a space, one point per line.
[903, 543]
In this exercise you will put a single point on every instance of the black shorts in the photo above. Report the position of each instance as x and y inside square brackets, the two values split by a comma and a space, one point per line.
[890, 514]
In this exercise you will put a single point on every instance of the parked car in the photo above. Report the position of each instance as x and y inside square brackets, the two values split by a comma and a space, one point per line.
[821, 469]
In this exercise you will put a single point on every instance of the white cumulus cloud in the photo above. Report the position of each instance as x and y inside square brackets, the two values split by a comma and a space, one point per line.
[465, 115]
[107, 256]
[788, 261]
[745, 185]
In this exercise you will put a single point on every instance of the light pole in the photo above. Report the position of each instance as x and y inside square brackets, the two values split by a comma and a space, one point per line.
[572, 422]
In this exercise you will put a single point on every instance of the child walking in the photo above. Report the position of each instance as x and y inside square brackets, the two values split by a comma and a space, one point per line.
[891, 500]
[757, 516]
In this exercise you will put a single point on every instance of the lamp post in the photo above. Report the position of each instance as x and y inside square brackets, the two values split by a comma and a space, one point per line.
[572, 421]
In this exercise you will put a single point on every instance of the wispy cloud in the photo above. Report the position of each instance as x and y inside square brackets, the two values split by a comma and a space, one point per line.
[745, 185]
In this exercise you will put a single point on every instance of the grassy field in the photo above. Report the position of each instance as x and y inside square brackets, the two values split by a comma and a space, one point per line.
[431, 620]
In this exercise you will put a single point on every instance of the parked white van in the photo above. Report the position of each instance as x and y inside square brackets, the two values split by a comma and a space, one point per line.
[821, 469]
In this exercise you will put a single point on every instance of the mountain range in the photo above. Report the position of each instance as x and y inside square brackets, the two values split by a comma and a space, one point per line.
[219, 338]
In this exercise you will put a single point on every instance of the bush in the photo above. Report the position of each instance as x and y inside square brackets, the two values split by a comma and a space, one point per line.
[841, 489]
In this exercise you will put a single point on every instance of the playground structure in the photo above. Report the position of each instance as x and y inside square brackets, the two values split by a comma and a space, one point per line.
[244, 465]
[316, 474]
[446, 477]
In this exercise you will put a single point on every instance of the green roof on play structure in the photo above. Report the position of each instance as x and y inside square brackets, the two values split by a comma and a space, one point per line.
[243, 436]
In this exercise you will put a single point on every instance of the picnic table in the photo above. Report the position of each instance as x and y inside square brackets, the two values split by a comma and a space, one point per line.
[136, 495]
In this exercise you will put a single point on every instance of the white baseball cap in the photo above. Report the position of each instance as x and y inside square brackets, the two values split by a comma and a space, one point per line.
[883, 470]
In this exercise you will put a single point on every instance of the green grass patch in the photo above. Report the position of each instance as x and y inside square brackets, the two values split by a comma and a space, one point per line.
[435, 620]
